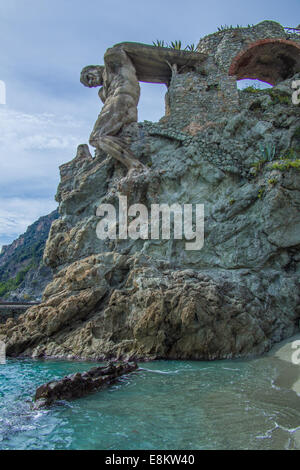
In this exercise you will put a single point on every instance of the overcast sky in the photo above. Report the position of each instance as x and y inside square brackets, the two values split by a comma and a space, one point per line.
[45, 44]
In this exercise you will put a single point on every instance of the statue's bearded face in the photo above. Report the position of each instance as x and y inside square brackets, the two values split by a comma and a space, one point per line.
[92, 76]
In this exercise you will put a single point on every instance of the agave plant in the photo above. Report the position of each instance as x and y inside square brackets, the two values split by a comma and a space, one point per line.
[159, 43]
[268, 151]
[176, 45]
[190, 48]
[225, 27]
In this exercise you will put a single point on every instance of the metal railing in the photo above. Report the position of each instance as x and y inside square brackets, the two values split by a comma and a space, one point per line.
[3, 304]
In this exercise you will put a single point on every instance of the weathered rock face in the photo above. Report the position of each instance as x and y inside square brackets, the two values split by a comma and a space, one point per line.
[236, 152]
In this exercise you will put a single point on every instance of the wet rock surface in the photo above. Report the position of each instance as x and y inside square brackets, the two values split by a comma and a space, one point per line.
[81, 384]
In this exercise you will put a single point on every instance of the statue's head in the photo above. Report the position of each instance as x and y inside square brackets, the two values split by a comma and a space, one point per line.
[92, 75]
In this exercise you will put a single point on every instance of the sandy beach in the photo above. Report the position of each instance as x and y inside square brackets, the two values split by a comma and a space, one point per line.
[290, 375]
[289, 372]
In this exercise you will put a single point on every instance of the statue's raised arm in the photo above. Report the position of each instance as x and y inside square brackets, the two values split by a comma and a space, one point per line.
[120, 94]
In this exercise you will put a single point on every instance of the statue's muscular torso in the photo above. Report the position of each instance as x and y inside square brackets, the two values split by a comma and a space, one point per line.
[120, 94]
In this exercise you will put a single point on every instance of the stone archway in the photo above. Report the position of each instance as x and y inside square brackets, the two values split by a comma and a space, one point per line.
[269, 60]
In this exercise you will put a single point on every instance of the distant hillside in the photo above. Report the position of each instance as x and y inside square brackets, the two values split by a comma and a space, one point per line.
[23, 275]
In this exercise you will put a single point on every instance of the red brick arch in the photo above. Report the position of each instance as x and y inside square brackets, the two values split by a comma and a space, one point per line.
[269, 60]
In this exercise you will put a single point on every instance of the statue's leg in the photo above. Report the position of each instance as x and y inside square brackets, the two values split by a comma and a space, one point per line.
[115, 148]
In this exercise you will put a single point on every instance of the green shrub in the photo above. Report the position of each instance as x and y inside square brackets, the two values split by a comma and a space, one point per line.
[251, 89]
[213, 86]
[261, 192]
[291, 154]
[12, 284]
[279, 97]
[272, 181]
[286, 165]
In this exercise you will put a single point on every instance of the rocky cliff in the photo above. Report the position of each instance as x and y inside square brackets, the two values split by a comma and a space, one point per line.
[236, 152]
[23, 275]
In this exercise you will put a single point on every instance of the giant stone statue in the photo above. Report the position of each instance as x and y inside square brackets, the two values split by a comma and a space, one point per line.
[125, 65]
[120, 94]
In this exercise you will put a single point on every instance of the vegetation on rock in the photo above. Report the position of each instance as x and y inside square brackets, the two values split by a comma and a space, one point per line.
[21, 261]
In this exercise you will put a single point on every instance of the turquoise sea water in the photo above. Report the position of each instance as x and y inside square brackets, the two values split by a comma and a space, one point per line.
[170, 405]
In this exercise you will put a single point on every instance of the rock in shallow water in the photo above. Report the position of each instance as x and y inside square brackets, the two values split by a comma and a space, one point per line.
[81, 384]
